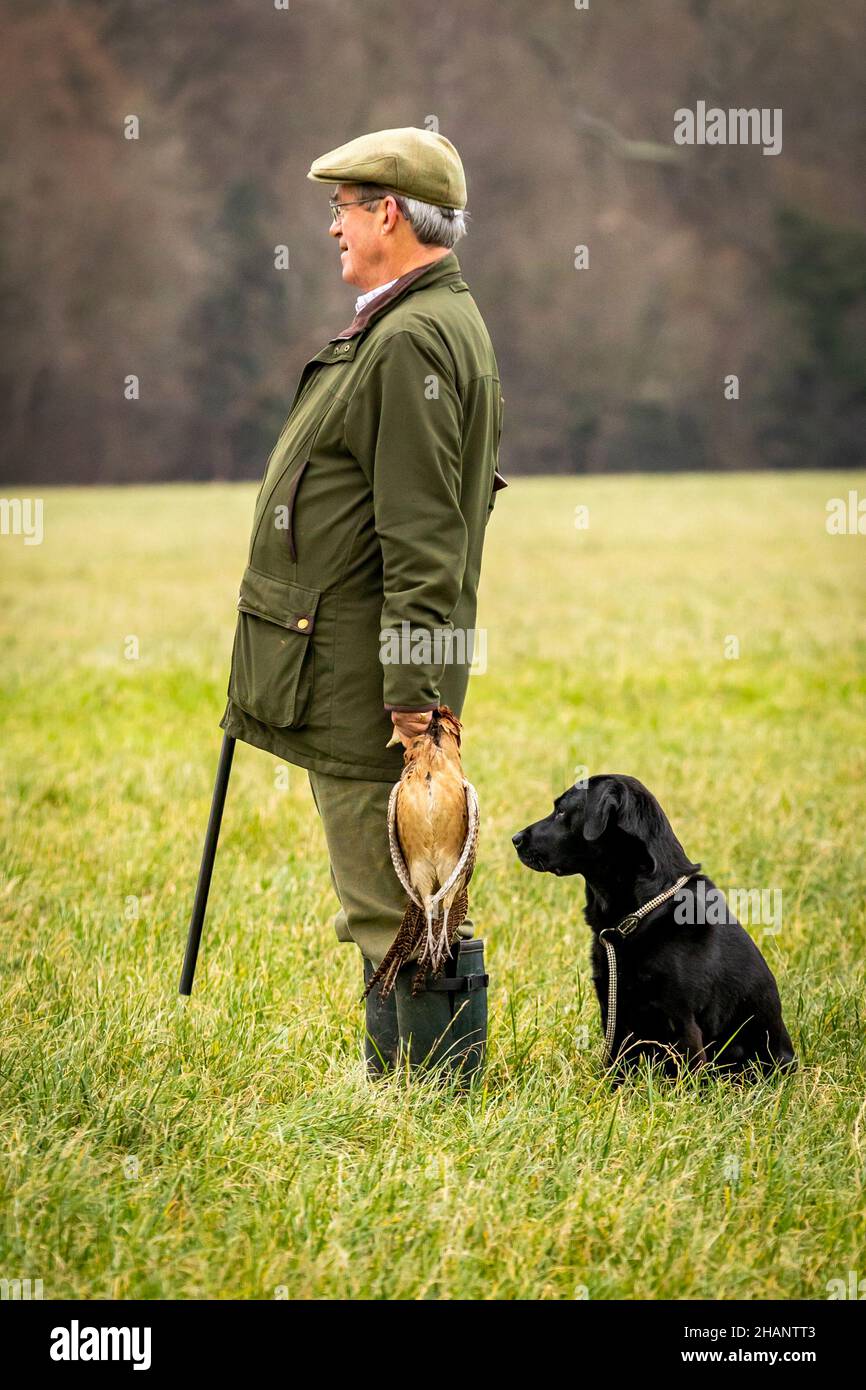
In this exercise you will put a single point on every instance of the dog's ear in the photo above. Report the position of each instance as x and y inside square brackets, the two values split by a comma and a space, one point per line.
[632, 813]
[641, 816]
[600, 802]
[635, 811]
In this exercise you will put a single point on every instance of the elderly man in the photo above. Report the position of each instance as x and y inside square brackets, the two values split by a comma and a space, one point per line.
[366, 545]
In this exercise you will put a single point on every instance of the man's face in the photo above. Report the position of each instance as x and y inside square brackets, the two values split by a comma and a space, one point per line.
[359, 236]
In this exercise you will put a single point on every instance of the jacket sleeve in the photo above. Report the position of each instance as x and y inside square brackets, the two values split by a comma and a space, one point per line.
[404, 424]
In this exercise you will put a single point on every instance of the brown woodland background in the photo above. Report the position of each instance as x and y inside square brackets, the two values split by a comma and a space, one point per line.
[155, 256]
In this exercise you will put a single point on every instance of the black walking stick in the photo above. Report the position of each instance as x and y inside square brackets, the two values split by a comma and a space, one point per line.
[199, 907]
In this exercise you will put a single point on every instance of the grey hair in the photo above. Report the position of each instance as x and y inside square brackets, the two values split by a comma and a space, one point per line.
[432, 225]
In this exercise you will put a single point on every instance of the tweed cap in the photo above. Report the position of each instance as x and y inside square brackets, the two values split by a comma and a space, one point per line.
[419, 163]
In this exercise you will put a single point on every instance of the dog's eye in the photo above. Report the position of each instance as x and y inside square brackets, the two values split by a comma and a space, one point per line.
[559, 815]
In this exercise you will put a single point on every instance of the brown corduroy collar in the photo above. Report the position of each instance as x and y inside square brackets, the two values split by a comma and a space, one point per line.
[447, 265]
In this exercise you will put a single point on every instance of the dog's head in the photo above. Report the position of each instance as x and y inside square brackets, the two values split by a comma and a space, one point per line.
[611, 821]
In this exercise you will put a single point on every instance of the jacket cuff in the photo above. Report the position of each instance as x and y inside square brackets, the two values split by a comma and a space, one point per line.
[412, 709]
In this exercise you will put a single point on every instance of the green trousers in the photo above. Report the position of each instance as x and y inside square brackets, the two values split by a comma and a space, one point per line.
[372, 900]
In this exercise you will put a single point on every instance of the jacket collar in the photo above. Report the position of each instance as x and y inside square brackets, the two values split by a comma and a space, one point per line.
[444, 271]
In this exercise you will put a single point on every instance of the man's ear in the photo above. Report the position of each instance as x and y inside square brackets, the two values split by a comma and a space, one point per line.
[600, 802]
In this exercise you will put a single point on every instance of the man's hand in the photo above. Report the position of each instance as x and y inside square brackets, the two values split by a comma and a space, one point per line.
[409, 724]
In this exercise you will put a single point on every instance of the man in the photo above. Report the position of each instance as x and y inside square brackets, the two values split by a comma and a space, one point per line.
[366, 552]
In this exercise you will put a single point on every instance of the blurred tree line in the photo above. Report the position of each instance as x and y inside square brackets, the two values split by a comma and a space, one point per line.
[155, 258]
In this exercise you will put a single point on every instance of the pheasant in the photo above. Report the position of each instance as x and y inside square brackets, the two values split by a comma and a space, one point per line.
[435, 831]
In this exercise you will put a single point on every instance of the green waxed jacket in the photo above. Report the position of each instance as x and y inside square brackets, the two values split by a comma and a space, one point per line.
[368, 531]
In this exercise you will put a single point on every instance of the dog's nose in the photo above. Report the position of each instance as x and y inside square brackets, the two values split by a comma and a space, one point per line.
[517, 839]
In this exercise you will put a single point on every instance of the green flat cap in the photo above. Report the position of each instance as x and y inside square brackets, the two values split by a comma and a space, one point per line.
[419, 163]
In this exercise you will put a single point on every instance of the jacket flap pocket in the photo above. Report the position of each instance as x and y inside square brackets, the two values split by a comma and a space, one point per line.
[291, 605]
[273, 660]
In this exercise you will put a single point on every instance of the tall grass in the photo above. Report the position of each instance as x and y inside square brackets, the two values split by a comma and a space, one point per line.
[231, 1146]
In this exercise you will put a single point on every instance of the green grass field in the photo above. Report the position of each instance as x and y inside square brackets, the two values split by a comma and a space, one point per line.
[231, 1146]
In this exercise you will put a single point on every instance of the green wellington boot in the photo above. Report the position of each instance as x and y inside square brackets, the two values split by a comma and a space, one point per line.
[446, 1024]
[381, 1035]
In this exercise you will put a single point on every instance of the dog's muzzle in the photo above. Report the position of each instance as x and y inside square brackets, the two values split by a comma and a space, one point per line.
[525, 853]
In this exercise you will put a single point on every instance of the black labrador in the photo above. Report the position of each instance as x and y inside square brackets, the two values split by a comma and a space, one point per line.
[689, 988]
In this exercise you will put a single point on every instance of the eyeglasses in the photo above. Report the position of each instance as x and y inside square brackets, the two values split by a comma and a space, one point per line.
[337, 208]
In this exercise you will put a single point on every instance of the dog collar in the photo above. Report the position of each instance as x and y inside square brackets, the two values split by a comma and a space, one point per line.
[629, 923]
[625, 928]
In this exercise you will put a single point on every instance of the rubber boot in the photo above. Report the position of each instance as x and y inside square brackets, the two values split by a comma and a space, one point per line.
[381, 1034]
[445, 1026]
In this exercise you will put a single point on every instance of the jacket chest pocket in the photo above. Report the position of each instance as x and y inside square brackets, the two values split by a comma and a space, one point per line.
[272, 659]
